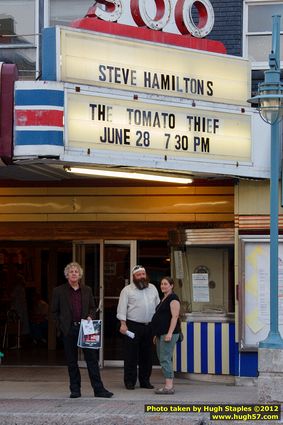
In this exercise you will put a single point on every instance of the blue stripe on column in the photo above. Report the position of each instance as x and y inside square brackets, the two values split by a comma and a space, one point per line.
[190, 347]
[39, 97]
[52, 138]
[237, 358]
[218, 351]
[204, 352]
[49, 54]
[232, 348]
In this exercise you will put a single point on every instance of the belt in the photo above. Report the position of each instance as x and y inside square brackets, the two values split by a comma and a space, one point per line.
[76, 323]
[139, 323]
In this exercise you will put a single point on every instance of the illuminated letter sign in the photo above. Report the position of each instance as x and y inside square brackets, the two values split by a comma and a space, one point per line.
[142, 17]
[183, 16]
[185, 22]
[92, 127]
[155, 15]
[111, 10]
[123, 63]
[154, 128]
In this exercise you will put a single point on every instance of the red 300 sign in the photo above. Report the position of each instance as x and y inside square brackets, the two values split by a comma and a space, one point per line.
[111, 10]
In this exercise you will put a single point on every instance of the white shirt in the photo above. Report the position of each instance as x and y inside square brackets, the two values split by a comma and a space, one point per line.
[137, 304]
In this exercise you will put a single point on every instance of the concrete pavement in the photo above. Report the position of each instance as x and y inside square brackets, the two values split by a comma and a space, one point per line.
[40, 395]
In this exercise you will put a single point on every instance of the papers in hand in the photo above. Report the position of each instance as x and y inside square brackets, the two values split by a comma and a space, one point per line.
[130, 334]
[88, 327]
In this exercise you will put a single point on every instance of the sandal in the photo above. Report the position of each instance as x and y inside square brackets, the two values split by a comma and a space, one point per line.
[165, 391]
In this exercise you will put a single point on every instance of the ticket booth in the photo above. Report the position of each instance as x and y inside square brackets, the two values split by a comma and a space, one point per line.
[203, 269]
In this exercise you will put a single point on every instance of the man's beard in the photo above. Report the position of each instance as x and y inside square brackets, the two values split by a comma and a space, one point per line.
[141, 283]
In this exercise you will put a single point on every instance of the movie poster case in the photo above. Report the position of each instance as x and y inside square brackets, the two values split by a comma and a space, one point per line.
[254, 290]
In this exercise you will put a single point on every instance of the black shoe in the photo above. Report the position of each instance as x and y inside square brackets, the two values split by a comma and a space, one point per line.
[147, 385]
[75, 395]
[104, 393]
[130, 386]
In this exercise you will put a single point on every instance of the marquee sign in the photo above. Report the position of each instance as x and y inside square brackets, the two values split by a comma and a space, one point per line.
[91, 126]
[112, 124]
[90, 58]
[113, 99]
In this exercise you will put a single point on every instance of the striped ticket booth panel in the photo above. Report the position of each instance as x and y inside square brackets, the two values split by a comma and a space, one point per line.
[207, 348]
[39, 119]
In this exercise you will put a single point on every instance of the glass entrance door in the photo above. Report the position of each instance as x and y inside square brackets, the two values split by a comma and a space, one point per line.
[119, 258]
[107, 267]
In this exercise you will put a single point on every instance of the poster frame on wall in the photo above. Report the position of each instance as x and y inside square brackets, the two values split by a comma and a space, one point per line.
[254, 290]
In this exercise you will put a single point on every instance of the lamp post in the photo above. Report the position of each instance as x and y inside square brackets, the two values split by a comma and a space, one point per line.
[270, 106]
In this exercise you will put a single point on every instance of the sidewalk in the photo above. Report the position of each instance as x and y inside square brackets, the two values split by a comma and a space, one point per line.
[40, 395]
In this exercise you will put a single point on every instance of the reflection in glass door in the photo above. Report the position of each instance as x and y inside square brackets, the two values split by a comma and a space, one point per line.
[119, 258]
[90, 256]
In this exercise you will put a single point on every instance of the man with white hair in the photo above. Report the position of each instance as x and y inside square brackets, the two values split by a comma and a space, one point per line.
[72, 302]
[136, 307]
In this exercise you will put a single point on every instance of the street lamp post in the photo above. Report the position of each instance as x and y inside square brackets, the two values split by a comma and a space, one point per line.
[270, 106]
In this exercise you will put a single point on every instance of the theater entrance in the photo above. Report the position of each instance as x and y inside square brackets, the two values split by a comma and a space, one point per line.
[107, 265]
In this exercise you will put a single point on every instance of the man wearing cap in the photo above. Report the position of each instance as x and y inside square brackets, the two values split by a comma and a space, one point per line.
[136, 307]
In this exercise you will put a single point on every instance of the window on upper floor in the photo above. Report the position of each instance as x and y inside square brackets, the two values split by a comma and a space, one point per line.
[21, 22]
[63, 12]
[18, 39]
[257, 30]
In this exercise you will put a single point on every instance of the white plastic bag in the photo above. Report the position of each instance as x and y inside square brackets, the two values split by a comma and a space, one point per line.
[90, 340]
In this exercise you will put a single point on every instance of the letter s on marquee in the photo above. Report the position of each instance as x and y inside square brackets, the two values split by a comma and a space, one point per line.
[111, 12]
[184, 19]
[142, 18]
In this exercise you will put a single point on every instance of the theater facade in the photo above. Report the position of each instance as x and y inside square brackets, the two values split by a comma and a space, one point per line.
[136, 144]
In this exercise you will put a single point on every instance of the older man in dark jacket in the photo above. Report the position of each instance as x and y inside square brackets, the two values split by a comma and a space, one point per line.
[72, 302]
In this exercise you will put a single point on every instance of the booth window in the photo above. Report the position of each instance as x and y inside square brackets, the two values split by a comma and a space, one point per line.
[204, 279]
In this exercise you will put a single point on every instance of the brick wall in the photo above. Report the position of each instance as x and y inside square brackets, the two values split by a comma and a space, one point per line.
[228, 24]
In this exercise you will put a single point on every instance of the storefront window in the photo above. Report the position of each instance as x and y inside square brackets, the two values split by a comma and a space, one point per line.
[258, 29]
[63, 12]
[18, 35]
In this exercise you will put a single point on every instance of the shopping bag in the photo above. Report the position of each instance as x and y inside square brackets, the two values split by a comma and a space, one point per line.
[92, 340]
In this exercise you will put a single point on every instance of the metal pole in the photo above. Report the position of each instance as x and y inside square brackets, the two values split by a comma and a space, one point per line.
[274, 339]
[276, 40]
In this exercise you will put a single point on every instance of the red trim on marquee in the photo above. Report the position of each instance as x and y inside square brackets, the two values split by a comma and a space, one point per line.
[30, 117]
[98, 25]
[9, 74]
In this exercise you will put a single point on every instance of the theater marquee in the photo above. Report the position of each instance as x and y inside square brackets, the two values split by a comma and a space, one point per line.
[89, 58]
[145, 127]
[89, 126]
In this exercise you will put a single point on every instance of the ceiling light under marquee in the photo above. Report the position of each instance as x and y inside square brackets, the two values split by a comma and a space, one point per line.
[128, 175]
